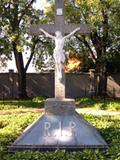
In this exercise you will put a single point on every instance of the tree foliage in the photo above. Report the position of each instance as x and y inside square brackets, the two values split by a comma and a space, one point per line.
[103, 17]
[103, 42]
[16, 17]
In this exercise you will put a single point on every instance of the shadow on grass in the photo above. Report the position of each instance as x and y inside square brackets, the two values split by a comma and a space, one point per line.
[85, 102]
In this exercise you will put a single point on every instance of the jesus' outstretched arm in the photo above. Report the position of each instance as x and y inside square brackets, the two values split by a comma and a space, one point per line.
[72, 33]
[47, 34]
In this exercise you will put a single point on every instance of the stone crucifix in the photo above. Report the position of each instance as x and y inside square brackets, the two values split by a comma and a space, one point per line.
[57, 31]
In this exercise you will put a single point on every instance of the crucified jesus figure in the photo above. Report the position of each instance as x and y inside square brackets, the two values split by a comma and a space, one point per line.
[59, 53]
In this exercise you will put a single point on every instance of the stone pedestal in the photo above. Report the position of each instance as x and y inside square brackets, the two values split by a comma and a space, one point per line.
[56, 106]
[60, 127]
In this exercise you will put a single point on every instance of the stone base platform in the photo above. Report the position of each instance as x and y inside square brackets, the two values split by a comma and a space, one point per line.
[60, 127]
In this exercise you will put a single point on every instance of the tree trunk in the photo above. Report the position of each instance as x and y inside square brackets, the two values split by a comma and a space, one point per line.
[22, 85]
[22, 94]
[102, 83]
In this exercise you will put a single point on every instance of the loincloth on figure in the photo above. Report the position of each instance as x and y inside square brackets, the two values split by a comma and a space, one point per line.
[59, 56]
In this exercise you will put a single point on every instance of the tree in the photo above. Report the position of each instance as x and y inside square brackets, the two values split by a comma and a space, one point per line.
[16, 19]
[103, 41]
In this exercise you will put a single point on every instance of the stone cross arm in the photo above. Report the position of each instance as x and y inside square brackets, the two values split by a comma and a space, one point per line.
[65, 29]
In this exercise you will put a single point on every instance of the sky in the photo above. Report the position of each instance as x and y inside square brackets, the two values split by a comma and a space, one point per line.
[40, 4]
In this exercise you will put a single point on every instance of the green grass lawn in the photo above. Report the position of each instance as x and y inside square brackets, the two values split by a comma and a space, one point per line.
[38, 102]
[98, 103]
[13, 124]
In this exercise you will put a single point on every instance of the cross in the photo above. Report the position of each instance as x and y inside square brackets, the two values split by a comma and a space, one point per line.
[65, 28]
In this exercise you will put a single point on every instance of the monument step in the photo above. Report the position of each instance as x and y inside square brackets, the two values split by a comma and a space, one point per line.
[60, 106]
